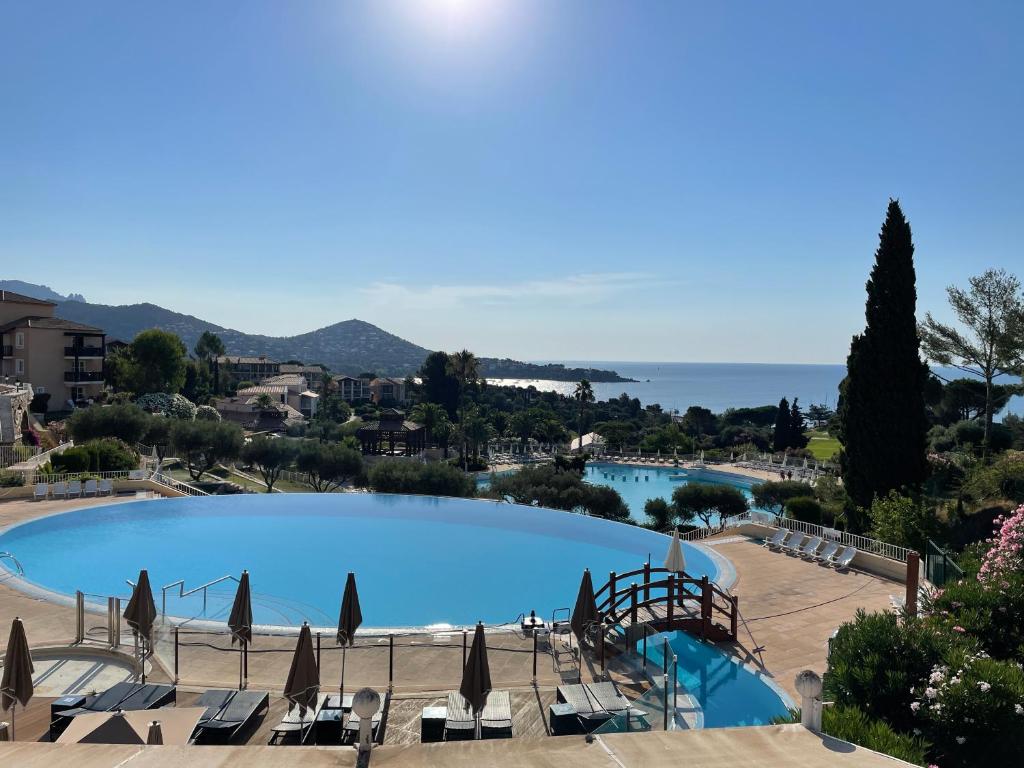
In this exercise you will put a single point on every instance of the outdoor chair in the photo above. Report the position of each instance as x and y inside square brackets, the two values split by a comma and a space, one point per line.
[826, 554]
[90, 488]
[810, 547]
[126, 696]
[792, 546]
[41, 491]
[294, 722]
[74, 489]
[842, 562]
[105, 487]
[775, 542]
[228, 712]
[60, 490]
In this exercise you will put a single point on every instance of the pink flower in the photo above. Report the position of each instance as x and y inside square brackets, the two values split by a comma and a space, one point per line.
[958, 628]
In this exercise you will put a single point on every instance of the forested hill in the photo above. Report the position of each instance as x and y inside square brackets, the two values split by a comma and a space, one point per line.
[350, 346]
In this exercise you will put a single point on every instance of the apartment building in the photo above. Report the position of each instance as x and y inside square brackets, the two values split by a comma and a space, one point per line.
[254, 369]
[56, 356]
[352, 389]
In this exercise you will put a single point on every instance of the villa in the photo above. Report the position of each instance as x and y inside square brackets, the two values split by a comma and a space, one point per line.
[57, 357]
[352, 389]
[290, 389]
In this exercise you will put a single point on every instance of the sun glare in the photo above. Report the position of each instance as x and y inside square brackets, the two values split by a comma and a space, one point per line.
[457, 17]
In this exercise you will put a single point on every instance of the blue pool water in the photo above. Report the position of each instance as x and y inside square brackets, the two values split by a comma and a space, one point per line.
[637, 484]
[729, 694]
[418, 560]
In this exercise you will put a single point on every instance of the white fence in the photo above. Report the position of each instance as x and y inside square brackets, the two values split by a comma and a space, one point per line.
[862, 543]
[14, 454]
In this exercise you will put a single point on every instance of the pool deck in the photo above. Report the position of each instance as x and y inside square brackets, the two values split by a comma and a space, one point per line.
[790, 608]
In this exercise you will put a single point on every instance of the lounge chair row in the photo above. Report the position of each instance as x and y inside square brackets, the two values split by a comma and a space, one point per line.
[812, 548]
[585, 707]
[332, 713]
[73, 489]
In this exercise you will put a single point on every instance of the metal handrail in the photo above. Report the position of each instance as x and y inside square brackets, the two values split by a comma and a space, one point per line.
[12, 558]
[161, 479]
[180, 584]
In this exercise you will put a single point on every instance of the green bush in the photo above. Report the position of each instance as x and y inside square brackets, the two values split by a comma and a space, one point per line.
[125, 422]
[992, 614]
[434, 479]
[207, 413]
[875, 661]
[805, 509]
[902, 521]
[76, 459]
[11, 479]
[853, 725]
[972, 709]
[105, 455]
[773, 495]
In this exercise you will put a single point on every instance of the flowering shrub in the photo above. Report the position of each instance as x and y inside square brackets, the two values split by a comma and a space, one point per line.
[174, 406]
[987, 615]
[1006, 557]
[207, 413]
[972, 711]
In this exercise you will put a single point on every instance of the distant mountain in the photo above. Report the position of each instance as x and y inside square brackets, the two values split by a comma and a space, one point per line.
[351, 346]
[44, 292]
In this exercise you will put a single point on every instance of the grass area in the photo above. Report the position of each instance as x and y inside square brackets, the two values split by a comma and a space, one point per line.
[822, 445]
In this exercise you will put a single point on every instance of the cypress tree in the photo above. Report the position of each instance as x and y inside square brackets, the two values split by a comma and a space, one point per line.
[780, 435]
[882, 411]
[797, 426]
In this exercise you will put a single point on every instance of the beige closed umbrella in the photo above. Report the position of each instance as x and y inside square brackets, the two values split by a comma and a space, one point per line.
[16, 686]
[303, 685]
[240, 623]
[141, 614]
[674, 560]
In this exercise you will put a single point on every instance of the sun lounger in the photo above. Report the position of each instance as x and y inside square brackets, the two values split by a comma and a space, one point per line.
[842, 562]
[295, 722]
[775, 542]
[810, 547]
[351, 730]
[228, 712]
[41, 491]
[595, 703]
[90, 488]
[608, 696]
[60, 490]
[827, 552]
[105, 488]
[495, 719]
[793, 544]
[127, 696]
[74, 489]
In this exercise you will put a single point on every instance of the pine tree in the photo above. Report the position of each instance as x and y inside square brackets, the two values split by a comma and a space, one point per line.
[797, 426]
[780, 436]
[882, 411]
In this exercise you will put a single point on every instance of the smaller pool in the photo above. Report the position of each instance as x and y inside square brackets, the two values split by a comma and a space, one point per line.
[728, 693]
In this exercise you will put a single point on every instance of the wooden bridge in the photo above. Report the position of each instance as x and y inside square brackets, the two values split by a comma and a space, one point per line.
[665, 600]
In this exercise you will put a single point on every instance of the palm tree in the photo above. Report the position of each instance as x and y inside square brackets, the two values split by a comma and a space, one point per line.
[583, 394]
[466, 369]
[431, 416]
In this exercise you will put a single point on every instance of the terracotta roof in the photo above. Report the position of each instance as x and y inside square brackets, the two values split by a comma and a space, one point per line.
[56, 323]
[20, 298]
[264, 389]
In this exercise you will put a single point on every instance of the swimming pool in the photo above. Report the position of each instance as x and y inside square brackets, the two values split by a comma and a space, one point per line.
[418, 560]
[727, 693]
[638, 483]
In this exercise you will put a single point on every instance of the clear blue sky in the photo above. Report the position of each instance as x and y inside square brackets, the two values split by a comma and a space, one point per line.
[544, 180]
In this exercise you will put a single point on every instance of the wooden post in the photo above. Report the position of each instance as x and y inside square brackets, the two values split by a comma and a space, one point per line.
[318, 653]
[647, 581]
[600, 620]
[535, 656]
[611, 591]
[671, 598]
[734, 630]
[632, 602]
[705, 607]
[463, 649]
[913, 580]
[391, 661]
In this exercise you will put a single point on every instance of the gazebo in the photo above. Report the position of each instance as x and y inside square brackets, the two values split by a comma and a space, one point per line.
[393, 429]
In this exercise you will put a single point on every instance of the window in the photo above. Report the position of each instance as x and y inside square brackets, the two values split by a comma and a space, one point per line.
[39, 390]
[19, 340]
[19, 365]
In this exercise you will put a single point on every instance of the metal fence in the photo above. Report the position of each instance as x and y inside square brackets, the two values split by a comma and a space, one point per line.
[862, 543]
[939, 567]
[15, 454]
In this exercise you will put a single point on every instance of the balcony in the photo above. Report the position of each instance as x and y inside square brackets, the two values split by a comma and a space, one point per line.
[83, 377]
[6, 350]
[83, 351]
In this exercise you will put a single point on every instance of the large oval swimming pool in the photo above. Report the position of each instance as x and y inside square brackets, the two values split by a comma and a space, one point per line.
[418, 560]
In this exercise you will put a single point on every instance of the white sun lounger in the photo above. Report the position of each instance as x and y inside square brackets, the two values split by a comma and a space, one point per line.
[842, 562]
[775, 542]
[60, 490]
[74, 489]
[90, 488]
[827, 553]
[792, 546]
[41, 491]
[105, 488]
[810, 547]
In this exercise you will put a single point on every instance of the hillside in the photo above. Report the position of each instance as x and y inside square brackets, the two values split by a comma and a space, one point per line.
[351, 346]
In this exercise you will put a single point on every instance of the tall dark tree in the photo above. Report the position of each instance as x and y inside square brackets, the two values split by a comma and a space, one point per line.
[780, 436]
[797, 426]
[439, 385]
[882, 419]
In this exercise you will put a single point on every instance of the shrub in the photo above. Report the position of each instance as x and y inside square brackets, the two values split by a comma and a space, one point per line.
[549, 486]
[660, 515]
[989, 612]
[207, 413]
[202, 445]
[125, 422]
[972, 709]
[805, 509]
[853, 725]
[435, 479]
[772, 495]
[105, 455]
[270, 456]
[1002, 479]
[902, 521]
[76, 459]
[704, 500]
[875, 661]
[11, 479]
[40, 402]
[174, 406]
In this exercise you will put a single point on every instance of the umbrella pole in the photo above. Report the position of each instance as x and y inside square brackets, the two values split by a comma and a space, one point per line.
[341, 688]
[143, 660]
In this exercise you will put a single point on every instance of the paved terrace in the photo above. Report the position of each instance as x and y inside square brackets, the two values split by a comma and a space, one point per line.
[790, 608]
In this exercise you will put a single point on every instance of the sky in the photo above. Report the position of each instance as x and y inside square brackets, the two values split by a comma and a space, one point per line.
[575, 180]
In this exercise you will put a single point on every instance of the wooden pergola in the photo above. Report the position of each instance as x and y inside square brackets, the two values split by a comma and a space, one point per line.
[392, 431]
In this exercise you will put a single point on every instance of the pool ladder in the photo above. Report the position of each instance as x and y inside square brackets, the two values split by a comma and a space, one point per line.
[13, 559]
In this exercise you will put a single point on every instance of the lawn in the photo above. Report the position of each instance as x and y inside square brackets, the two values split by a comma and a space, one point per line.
[822, 445]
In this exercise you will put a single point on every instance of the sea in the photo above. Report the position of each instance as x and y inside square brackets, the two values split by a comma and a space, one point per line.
[718, 386]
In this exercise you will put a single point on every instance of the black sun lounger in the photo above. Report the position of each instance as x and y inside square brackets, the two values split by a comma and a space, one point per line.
[126, 696]
[595, 703]
[228, 712]
[294, 722]
[495, 720]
